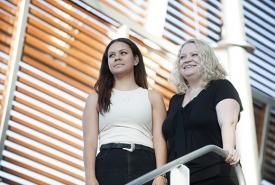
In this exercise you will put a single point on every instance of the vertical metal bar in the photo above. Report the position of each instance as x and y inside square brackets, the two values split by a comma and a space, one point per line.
[13, 67]
[264, 136]
[234, 35]
[196, 18]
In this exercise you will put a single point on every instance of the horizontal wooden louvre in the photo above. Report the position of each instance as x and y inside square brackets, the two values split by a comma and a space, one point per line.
[59, 67]
[259, 27]
[63, 46]
[135, 9]
[193, 19]
[7, 20]
[8, 11]
[62, 51]
[158, 63]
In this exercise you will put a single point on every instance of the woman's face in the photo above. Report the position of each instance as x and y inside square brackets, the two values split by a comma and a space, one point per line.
[121, 59]
[189, 61]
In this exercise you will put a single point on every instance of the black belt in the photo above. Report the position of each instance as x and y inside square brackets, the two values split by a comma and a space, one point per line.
[129, 147]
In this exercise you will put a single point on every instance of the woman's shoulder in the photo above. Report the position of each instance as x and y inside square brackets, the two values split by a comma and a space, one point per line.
[224, 89]
[92, 97]
[91, 102]
[154, 94]
[177, 96]
[221, 82]
[156, 99]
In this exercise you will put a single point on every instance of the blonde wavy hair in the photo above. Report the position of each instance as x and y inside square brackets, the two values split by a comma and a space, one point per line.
[210, 67]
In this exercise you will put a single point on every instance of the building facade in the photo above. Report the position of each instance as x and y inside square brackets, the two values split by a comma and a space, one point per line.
[50, 53]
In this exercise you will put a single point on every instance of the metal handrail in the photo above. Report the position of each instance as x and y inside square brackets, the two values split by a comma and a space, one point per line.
[182, 160]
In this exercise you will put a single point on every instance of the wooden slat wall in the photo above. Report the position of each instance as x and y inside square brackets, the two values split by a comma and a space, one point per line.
[135, 9]
[8, 11]
[60, 64]
[64, 43]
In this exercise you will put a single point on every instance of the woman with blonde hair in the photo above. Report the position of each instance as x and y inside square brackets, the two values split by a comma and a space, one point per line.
[205, 111]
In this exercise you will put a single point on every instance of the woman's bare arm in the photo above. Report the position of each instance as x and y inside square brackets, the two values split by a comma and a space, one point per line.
[227, 112]
[90, 137]
[159, 115]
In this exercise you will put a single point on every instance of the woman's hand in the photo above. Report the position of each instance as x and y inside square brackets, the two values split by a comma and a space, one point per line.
[92, 181]
[91, 178]
[233, 156]
[160, 180]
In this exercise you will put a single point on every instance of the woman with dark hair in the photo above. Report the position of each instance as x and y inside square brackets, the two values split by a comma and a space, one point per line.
[124, 118]
[205, 111]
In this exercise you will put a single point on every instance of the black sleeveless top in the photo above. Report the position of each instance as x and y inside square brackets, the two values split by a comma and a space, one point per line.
[196, 125]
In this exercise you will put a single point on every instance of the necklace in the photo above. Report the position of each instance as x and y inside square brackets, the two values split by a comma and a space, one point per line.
[124, 95]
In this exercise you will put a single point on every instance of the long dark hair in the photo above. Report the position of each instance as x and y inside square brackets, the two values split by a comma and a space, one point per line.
[106, 79]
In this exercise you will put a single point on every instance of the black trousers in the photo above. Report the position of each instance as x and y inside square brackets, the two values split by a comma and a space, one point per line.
[218, 181]
[118, 166]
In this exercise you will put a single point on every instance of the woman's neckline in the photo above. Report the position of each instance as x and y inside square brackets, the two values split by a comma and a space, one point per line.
[126, 90]
[191, 99]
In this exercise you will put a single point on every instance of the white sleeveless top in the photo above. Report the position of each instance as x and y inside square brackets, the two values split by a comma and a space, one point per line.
[129, 119]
